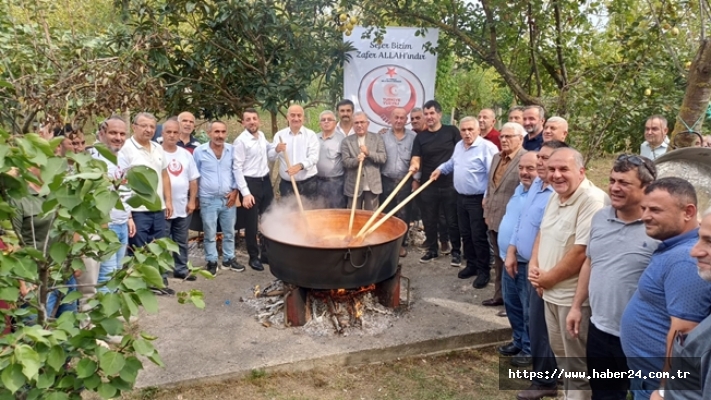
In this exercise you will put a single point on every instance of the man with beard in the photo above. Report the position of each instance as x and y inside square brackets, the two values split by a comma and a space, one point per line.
[671, 298]
[487, 120]
[344, 108]
[217, 191]
[533, 119]
[431, 149]
[618, 252]
[330, 173]
[183, 186]
[251, 174]
[692, 352]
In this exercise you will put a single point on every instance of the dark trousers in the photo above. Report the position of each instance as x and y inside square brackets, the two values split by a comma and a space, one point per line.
[431, 199]
[261, 189]
[604, 352]
[543, 357]
[498, 263]
[150, 225]
[330, 192]
[177, 230]
[308, 188]
[389, 185]
[473, 230]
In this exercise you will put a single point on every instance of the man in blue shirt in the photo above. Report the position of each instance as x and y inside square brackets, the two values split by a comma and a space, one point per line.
[217, 191]
[671, 297]
[521, 245]
[471, 164]
[515, 280]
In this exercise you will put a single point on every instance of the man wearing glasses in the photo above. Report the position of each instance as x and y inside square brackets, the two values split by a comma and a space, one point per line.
[671, 297]
[618, 252]
[139, 150]
[330, 166]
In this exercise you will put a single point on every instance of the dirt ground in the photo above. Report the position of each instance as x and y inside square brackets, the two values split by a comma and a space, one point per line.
[462, 375]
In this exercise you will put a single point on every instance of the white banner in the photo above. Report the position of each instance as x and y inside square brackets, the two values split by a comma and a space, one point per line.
[398, 72]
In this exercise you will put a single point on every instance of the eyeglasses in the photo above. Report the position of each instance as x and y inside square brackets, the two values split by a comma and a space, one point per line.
[507, 137]
[328, 120]
[145, 126]
[636, 161]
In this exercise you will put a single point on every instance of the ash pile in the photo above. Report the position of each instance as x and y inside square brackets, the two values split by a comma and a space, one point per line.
[338, 312]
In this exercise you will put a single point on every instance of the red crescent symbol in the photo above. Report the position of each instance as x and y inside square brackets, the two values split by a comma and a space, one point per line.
[391, 89]
[384, 112]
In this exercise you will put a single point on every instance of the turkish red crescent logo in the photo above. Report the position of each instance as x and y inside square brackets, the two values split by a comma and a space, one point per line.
[388, 87]
[175, 168]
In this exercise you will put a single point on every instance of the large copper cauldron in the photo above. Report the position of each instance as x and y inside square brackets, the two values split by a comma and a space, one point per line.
[313, 252]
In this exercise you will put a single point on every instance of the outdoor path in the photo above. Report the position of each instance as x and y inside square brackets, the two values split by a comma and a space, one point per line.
[225, 340]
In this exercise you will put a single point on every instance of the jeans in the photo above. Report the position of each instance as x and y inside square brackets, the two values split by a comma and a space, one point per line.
[261, 189]
[431, 199]
[543, 357]
[177, 230]
[54, 297]
[473, 230]
[330, 191]
[113, 263]
[604, 351]
[404, 213]
[516, 294]
[213, 209]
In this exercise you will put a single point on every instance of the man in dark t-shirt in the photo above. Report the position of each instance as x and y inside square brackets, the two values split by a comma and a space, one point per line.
[431, 148]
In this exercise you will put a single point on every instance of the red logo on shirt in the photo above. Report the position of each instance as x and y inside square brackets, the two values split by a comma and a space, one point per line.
[175, 168]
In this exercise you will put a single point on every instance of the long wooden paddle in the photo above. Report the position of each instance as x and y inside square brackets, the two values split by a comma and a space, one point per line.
[355, 198]
[293, 181]
[385, 204]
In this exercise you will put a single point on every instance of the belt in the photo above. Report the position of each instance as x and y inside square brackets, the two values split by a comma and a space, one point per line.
[306, 180]
[471, 196]
[257, 179]
[333, 178]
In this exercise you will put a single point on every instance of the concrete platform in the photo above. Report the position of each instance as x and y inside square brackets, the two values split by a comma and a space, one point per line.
[225, 340]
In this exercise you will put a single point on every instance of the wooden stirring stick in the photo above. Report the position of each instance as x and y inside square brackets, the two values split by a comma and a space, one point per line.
[293, 181]
[385, 204]
[355, 198]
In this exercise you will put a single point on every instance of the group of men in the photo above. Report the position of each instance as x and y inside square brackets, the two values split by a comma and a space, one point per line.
[589, 282]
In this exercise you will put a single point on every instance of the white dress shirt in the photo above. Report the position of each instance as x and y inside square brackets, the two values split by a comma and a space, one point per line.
[340, 130]
[645, 150]
[250, 159]
[302, 147]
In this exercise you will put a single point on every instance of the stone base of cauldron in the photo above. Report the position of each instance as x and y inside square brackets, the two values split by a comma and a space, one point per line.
[387, 292]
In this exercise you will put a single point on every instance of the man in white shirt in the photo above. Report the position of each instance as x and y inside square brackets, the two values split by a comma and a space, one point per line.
[184, 176]
[251, 173]
[139, 150]
[655, 133]
[344, 108]
[302, 147]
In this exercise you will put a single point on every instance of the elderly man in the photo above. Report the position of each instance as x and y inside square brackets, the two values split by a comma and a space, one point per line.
[302, 147]
[533, 118]
[345, 109]
[251, 174]
[139, 150]
[655, 134]
[187, 126]
[671, 298]
[515, 280]
[431, 149]
[501, 186]
[398, 148]
[521, 246]
[556, 128]
[558, 256]
[692, 352]
[368, 148]
[516, 115]
[183, 186]
[330, 173]
[417, 120]
[618, 252]
[217, 192]
[471, 164]
[487, 120]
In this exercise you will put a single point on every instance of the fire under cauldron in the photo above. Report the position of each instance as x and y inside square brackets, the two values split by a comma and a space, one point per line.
[311, 250]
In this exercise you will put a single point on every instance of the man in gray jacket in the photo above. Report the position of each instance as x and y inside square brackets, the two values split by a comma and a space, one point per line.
[370, 149]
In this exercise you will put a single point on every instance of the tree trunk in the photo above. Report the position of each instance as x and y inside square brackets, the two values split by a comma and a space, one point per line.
[698, 92]
[275, 125]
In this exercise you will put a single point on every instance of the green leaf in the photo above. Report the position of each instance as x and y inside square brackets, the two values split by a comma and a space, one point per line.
[113, 326]
[106, 390]
[129, 373]
[9, 293]
[129, 305]
[205, 274]
[143, 347]
[155, 358]
[29, 359]
[110, 303]
[121, 384]
[105, 152]
[151, 275]
[111, 362]
[142, 180]
[56, 358]
[134, 283]
[86, 368]
[92, 382]
[56, 396]
[12, 377]
[58, 251]
[45, 380]
[151, 201]
[105, 201]
[148, 300]
[72, 297]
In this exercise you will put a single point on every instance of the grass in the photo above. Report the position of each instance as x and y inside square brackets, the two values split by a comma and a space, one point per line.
[463, 375]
